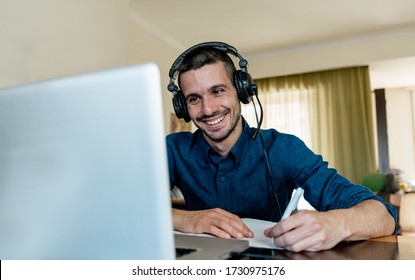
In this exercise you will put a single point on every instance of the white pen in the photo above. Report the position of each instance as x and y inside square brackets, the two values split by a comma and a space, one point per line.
[293, 203]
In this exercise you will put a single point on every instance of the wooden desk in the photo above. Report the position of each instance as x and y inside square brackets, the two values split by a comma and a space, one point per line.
[406, 246]
[384, 248]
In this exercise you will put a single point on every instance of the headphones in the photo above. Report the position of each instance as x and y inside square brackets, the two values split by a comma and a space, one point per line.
[242, 81]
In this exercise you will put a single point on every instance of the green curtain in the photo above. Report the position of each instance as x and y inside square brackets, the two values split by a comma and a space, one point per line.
[336, 108]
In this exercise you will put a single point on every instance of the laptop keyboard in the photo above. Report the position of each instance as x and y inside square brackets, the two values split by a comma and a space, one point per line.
[183, 251]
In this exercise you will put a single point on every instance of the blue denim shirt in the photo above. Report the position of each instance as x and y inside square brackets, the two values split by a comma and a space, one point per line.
[242, 184]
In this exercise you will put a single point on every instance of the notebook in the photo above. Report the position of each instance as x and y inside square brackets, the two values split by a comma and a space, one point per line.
[83, 169]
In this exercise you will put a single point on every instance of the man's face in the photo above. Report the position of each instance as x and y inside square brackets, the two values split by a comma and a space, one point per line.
[212, 101]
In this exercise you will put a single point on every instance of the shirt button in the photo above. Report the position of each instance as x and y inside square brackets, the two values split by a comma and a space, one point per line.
[222, 179]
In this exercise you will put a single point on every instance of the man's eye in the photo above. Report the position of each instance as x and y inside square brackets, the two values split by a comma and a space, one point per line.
[192, 99]
[217, 91]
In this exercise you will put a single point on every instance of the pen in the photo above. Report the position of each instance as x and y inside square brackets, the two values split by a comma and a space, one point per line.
[290, 208]
[293, 203]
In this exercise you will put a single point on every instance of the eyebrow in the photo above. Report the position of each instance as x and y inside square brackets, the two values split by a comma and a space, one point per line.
[212, 88]
[217, 86]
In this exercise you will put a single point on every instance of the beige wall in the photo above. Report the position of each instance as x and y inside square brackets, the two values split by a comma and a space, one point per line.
[147, 45]
[400, 108]
[53, 38]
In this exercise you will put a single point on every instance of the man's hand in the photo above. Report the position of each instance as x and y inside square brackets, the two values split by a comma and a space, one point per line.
[308, 230]
[215, 221]
[315, 231]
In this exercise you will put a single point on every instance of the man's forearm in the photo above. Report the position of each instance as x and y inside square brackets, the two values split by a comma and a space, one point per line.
[369, 219]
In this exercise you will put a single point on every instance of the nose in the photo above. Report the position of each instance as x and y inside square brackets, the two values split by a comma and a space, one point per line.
[209, 106]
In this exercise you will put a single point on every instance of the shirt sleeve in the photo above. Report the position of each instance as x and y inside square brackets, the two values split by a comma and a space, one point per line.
[324, 188]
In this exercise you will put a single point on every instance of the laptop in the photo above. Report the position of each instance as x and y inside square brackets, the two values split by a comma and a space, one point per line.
[83, 170]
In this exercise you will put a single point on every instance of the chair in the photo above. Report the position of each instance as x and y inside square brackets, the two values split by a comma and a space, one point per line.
[407, 214]
[376, 182]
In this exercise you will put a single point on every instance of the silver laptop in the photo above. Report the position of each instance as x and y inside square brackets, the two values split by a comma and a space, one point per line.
[83, 170]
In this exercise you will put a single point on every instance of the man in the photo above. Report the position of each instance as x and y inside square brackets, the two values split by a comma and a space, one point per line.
[226, 174]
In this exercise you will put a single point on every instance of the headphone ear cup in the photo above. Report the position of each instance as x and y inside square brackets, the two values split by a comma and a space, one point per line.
[244, 86]
[180, 106]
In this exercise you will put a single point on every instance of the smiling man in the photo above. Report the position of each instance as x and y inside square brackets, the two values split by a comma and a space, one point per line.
[225, 173]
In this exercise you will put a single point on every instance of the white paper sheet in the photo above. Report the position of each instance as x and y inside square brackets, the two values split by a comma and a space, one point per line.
[258, 227]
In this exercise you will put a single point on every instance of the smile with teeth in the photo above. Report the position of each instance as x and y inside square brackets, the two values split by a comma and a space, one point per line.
[215, 121]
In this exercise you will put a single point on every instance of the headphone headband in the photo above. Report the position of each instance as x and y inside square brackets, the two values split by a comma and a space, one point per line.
[216, 45]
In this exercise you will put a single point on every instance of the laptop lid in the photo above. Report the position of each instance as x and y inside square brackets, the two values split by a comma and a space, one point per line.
[83, 168]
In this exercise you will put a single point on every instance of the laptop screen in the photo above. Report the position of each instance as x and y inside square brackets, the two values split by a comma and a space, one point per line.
[83, 168]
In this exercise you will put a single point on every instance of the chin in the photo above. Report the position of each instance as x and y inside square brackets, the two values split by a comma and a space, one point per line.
[219, 136]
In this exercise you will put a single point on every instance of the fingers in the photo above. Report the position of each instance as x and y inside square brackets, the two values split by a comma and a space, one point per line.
[283, 236]
[224, 224]
[308, 243]
[283, 227]
[217, 222]
[299, 233]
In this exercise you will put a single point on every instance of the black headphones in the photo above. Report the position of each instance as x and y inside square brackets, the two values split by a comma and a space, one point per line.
[242, 81]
